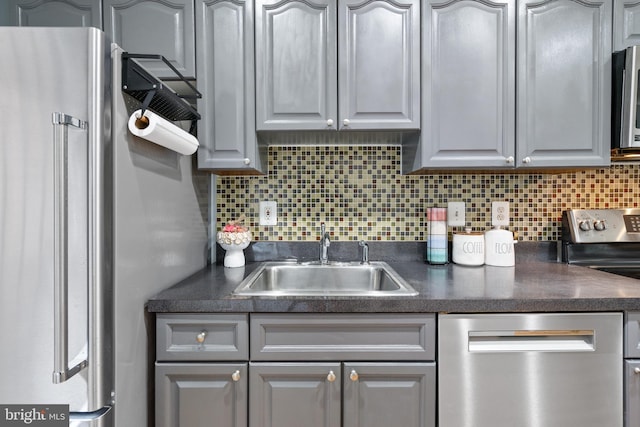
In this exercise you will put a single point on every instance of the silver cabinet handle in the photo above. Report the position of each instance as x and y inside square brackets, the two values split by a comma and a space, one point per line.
[636, 370]
[330, 122]
[247, 161]
[346, 122]
[331, 377]
[526, 160]
[201, 337]
[353, 376]
[510, 159]
[61, 370]
[235, 376]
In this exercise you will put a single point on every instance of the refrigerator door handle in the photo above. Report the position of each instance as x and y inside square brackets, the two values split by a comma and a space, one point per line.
[62, 372]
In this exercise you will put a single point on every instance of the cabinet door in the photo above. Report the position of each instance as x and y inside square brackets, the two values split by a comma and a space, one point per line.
[158, 27]
[379, 64]
[468, 84]
[294, 394]
[389, 394]
[626, 24]
[563, 86]
[226, 69]
[196, 395]
[296, 72]
[632, 393]
[51, 13]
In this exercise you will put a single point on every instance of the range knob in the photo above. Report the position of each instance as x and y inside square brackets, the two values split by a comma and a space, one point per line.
[599, 225]
[585, 225]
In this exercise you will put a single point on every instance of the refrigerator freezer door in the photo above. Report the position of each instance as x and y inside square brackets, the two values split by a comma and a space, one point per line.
[46, 71]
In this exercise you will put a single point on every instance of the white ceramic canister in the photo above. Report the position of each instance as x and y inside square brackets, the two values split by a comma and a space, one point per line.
[499, 248]
[468, 247]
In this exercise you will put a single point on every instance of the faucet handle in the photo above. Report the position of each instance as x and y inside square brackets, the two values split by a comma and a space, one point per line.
[365, 252]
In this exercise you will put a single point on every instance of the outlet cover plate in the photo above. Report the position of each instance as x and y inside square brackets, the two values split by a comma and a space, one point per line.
[500, 213]
[268, 213]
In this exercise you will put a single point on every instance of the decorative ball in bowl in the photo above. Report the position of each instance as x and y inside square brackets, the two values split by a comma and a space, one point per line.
[234, 243]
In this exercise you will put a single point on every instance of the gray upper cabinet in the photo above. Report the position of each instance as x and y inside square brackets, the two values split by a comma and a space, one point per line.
[51, 13]
[544, 102]
[350, 65]
[564, 83]
[154, 27]
[296, 65]
[626, 24]
[469, 84]
[226, 68]
[379, 64]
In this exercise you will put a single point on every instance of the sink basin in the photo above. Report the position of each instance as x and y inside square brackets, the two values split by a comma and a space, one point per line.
[333, 279]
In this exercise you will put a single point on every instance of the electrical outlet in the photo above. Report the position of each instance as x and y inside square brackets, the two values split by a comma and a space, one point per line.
[268, 213]
[500, 213]
[455, 214]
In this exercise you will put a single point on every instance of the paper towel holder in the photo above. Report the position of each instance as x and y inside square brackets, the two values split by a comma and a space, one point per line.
[155, 95]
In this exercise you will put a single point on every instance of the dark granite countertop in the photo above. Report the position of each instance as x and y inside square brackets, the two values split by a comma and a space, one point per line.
[538, 283]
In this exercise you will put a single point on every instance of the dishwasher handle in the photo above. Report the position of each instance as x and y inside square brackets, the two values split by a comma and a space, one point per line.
[564, 340]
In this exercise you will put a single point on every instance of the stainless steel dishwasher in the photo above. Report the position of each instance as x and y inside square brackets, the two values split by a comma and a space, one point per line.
[530, 370]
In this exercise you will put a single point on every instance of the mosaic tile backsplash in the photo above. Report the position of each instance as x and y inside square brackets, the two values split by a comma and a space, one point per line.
[360, 193]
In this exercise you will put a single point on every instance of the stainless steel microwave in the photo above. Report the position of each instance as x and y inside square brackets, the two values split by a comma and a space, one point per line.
[625, 111]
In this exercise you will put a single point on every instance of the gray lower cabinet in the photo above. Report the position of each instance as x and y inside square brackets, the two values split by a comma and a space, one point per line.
[39, 13]
[632, 369]
[201, 370]
[389, 394]
[200, 394]
[367, 394]
[226, 80]
[162, 27]
[294, 394]
[514, 83]
[324, 64]
[316, 370]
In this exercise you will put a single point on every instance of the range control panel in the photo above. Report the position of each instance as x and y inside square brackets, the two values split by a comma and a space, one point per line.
[602, 225]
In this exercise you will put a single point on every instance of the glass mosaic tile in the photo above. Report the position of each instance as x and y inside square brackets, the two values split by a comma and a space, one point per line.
[360, 193]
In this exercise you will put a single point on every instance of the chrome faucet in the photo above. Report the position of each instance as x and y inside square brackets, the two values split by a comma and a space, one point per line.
[325, 241]
[365, 252]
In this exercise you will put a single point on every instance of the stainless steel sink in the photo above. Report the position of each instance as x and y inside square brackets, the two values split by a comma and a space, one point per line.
[334, 279]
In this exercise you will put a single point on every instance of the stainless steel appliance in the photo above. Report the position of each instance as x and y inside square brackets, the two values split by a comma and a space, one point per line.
[529, 370]
[93, 221]
[625, 111]
[603, 239]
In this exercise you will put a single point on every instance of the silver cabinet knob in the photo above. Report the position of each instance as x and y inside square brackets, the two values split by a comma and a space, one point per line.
[526, 160]
[331, 377]
[636, 370]
[330, 122]
[346, 122]
[353, 376]
[235, 376]
[201, 337]
[510, 159]
[247, 162]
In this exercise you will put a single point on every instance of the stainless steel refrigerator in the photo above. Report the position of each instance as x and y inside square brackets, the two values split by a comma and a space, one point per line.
[93, 221]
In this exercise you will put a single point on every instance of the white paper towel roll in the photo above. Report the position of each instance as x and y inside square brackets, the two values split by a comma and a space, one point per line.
[162, 132]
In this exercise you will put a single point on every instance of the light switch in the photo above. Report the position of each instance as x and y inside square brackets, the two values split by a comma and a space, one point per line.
[456, 214]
